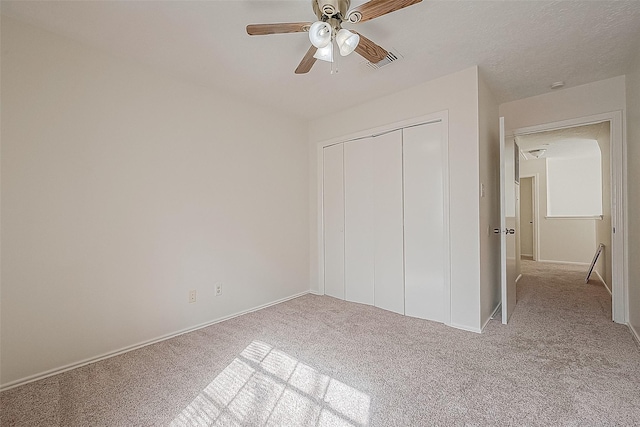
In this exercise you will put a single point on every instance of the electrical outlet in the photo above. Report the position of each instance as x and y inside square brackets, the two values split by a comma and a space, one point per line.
[192, 296]
[218, 289]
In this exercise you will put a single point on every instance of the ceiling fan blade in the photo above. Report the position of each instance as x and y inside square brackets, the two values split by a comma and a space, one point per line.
[288, 27]
[369, 50]
[307, 62]
[375, 8]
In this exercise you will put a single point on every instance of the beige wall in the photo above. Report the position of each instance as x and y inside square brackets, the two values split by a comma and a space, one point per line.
[633, 168]
[123, 189]
[489, 151]
[457, 93]
[594, 98]
[560, 240]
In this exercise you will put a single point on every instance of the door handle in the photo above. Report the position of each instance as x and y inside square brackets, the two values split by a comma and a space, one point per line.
[506, 231]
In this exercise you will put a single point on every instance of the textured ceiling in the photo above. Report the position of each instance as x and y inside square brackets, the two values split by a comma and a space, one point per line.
[579, 141]
[520, 46]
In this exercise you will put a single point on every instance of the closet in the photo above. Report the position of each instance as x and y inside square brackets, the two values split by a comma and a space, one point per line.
[384, 205]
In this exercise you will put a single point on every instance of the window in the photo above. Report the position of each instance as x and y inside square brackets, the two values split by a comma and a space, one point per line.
[574, 185]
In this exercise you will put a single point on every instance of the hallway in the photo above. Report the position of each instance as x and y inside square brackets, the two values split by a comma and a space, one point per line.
[562, 333]
[560, 291]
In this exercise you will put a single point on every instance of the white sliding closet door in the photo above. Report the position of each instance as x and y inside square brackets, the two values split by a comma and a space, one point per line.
[333, 221]
[387, 207]
[424, 226]
[358, 231]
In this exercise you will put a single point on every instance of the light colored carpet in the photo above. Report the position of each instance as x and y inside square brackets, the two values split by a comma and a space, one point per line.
[320, 361]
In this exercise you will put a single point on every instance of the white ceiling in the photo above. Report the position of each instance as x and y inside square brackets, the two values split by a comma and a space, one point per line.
[520, 46]
[578, 141]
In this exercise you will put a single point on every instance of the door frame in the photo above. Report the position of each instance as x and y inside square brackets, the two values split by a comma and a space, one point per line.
[619, 214]
[439, 116]
[535, 214]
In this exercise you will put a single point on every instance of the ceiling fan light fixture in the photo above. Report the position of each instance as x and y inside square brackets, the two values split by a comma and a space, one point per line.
[320, 34]
[325, 53]
[354, 17]
[537, 152]
[347, 41]
[329, 10]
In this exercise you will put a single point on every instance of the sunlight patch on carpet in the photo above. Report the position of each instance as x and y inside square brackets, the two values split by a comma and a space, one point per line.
[265, 386]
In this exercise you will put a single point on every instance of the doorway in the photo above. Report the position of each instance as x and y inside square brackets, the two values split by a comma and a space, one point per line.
[604, 226]
[527, 203]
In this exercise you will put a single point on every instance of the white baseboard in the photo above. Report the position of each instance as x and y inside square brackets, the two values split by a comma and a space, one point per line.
[635, 333]
[316, 293]
[465, 328]
[528, 255]
[491, 317]
[603, 282]
[564, 262]
[518, 278]
[55, 371]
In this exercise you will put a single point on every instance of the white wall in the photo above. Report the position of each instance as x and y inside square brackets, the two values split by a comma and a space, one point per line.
[594, 98]
[122, 189]
[633, 159]
[457, 93]
[560, 240]
[489, 145]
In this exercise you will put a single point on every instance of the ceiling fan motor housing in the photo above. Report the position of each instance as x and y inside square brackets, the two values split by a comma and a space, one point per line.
[330, 8]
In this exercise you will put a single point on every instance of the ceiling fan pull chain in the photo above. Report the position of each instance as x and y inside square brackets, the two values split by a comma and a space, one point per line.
[334, 65]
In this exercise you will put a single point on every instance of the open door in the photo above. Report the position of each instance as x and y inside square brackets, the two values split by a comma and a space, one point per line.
[508, 217]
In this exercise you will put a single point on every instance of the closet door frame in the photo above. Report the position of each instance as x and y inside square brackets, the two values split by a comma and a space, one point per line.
[440, 116]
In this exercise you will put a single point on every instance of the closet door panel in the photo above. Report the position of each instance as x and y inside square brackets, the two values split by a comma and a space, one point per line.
[424, 221]
[359, 252]
[333, 221]
[388, 246]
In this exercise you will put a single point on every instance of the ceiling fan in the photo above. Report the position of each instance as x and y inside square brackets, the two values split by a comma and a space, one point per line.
[322, 33]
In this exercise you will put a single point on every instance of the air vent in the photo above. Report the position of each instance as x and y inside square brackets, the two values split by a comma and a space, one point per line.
[391, 57]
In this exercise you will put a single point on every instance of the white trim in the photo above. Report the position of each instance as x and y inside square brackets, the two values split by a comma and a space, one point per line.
[527, 255]
[440, 116]
[503, 225]
[314, 292]
[320, 217]
[536, 216]
[518, 278]
[603, 282]
[564, 262]
[446, 216]
[594, 217]
[465, 328]
[619, 214]
[69, 367]
[366, 133]
[634, 333]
